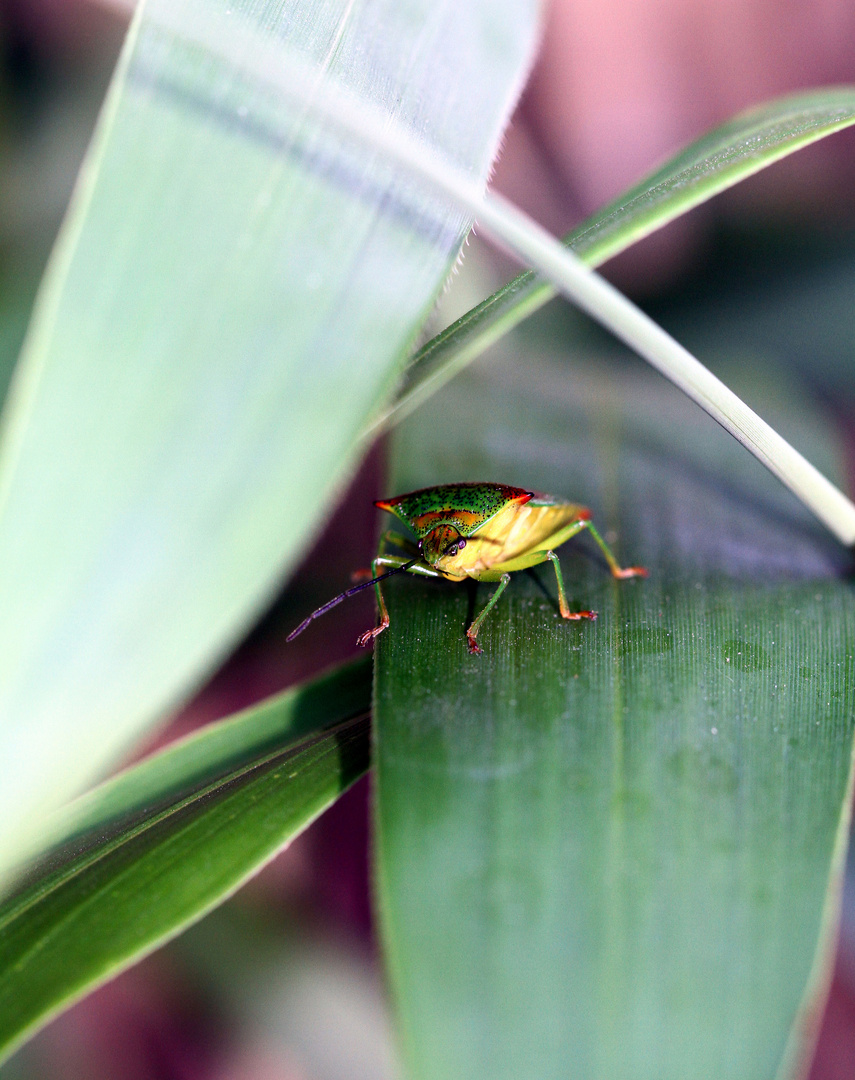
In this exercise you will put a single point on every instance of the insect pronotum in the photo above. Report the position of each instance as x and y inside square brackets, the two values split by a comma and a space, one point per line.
[480, 531]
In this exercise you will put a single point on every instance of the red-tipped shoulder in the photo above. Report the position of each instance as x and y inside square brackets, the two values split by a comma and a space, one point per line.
[386, 504]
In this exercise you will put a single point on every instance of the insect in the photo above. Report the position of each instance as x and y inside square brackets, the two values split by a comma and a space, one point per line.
[480, 531]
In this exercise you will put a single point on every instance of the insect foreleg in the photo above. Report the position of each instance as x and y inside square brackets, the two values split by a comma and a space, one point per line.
[399, 566]
[564, 607]
[381, 560]
[396, 564]
[476, 623]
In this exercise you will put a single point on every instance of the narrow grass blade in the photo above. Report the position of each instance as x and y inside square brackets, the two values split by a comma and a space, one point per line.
[153, 850]
[750, 142]
[594, 295]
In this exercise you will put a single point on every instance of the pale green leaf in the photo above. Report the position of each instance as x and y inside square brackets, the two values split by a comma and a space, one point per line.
[228, 304]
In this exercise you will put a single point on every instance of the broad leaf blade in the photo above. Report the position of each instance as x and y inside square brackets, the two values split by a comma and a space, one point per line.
[618, 844]
[715, 162]
[228, 304]
[169, 839]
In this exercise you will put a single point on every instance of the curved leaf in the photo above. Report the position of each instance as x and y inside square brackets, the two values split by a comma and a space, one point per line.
[228, 303]
[713, 163]
[155, 849]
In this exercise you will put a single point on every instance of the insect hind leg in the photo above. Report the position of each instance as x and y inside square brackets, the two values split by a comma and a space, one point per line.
[617, 570]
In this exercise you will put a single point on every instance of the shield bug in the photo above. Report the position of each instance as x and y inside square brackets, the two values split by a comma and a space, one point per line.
[480, 531]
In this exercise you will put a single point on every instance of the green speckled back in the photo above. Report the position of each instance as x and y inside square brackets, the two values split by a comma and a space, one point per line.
[466, 506]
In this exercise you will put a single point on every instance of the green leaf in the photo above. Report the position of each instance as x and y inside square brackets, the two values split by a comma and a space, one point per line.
[229, 302]
[155, 849]
[617, 846]
[713, 163]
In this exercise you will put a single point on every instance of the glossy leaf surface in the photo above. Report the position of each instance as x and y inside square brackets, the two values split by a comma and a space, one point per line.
[618, 844]
[151, 851]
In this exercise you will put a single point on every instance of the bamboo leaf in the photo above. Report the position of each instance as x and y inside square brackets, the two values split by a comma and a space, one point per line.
[228, 304]
[155, 849]
[617, 845]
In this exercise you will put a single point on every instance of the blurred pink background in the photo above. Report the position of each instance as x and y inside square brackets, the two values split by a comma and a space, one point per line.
[618, 87]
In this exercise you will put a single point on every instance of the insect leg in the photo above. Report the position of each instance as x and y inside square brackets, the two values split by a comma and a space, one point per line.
[369, 635]
[566, 613]
[617, 571]
[476, 622]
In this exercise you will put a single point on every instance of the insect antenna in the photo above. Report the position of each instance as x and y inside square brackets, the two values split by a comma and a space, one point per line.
[343, 596]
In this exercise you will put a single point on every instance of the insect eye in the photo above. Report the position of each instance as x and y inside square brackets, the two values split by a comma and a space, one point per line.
[462, 544]
[453, 549]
